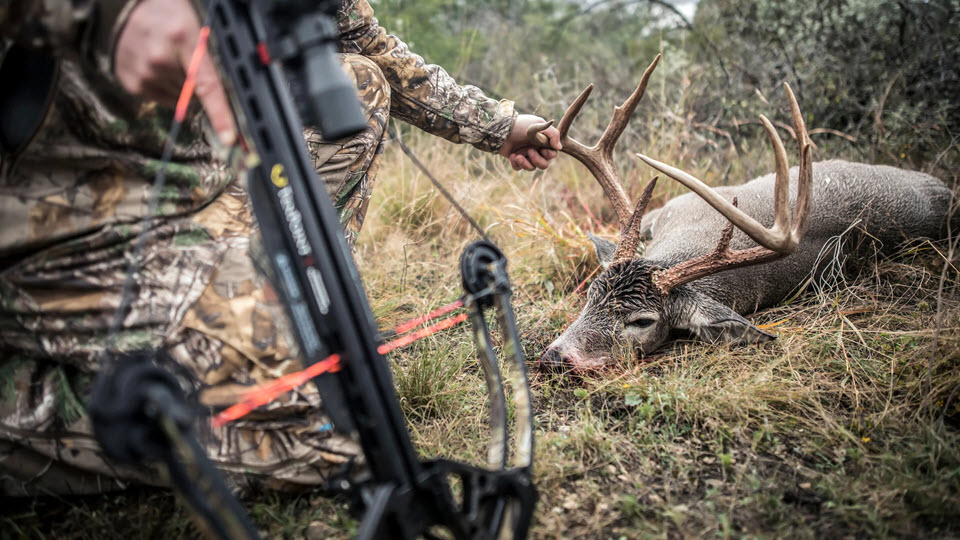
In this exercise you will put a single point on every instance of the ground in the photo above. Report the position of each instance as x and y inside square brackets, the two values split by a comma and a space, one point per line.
[847, 425]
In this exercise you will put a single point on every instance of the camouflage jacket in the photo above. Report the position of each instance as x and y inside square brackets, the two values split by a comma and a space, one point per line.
[90, 162]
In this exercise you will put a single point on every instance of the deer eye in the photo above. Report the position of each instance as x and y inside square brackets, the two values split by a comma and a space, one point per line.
[641, 322]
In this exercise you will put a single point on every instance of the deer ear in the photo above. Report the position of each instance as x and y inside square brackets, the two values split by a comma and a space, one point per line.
[712, 321]
[605, 250]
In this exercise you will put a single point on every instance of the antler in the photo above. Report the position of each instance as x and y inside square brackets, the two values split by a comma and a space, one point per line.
[776, 242]
[599, 161]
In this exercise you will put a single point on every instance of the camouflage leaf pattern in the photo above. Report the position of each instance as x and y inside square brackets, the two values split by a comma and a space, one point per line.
[424, 94]
[70, 208]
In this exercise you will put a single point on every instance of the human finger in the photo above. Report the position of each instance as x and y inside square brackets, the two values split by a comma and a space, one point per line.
[536, 159]
[516, 160]
[554, 135]
[523, 162]
[212, 97]
[548, 154]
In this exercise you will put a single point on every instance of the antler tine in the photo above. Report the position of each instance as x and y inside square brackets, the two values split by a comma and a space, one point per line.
[535, 133]
[600, 166]
[599, 158]
[805, 173]
[622, 114]
[781, 186]
[779, 241]
[572, 111]
[630, 237]
[745, 223]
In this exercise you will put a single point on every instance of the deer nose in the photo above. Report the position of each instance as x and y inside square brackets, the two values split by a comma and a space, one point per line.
[553, 359]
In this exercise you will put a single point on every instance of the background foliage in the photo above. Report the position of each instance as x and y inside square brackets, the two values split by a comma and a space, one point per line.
[886, 73]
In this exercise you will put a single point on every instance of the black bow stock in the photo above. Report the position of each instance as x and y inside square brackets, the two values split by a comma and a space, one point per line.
[277, 61]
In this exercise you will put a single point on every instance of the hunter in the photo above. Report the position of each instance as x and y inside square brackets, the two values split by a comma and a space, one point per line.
[85, 93]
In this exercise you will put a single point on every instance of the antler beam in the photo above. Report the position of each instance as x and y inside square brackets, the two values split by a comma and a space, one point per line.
[776, 242]
[599, 160]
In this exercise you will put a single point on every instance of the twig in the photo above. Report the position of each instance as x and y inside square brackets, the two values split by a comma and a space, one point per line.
[838, 133]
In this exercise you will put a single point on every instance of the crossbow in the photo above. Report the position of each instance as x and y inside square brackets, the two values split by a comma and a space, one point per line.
[278, 63]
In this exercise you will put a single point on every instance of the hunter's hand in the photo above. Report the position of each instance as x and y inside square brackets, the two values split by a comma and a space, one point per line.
[521, 153]
[152, 55]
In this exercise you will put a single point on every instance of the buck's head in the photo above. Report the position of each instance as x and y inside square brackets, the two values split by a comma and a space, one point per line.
[628, 315]
[635, 304]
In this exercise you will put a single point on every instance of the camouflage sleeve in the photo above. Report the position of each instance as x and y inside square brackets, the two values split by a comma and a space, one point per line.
[424, 94]
[78, 29]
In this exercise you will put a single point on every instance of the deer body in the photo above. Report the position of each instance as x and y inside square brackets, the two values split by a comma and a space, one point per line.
[717, 253]
[891, 205]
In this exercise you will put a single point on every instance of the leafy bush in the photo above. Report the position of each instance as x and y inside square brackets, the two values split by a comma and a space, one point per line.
[884, 74]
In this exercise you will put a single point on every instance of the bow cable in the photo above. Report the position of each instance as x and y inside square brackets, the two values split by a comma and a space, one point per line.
[268, 392]
[423, 168]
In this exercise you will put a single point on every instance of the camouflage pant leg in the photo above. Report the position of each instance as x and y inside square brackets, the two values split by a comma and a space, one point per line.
[201, 300]
[225, 341]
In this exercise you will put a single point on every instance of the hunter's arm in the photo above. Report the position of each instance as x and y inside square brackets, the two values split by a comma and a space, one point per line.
[85, 30]
[424, 94]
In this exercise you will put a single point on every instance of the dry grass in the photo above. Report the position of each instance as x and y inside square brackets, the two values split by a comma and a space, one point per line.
[845, 425]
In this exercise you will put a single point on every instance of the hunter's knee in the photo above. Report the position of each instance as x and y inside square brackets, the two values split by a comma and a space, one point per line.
[372, 89]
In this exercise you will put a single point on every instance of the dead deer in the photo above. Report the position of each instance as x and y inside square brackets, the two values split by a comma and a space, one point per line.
[707, 261]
